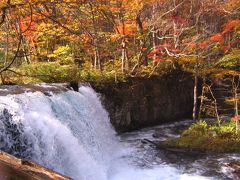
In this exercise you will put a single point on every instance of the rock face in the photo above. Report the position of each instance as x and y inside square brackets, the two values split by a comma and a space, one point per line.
[142, 102]
[17, 169]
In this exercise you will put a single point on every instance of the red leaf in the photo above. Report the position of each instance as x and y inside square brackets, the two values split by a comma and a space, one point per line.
[216, 37]
[164, 45]
[231, 24]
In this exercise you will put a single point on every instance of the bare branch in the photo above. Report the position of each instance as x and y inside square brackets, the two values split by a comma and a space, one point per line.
[76, 32]
[31, 20]
[4, 13]
[171, 10]
[14, 58]
[177, 55]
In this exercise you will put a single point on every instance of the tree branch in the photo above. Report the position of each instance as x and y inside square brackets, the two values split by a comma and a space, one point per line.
[4, 13]
[14, 58]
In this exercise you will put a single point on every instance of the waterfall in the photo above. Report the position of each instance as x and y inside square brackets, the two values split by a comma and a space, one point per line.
[68, 132]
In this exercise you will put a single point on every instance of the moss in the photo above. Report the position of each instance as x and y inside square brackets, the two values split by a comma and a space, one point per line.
[208, 137]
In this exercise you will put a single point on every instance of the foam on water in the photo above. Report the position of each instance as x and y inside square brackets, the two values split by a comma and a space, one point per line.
[70, 132]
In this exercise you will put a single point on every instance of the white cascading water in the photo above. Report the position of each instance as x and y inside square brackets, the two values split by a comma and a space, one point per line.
[70, 133]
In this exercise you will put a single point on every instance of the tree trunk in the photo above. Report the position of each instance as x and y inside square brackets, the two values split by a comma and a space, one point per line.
[97, 59]
[215, 105]
[195, 95]
[125, 62]
[195, 90]
[236, 110]
[202, 99]
[26, 52]
[154, 34]
[235, 96]
[142, 57]
[7, 44]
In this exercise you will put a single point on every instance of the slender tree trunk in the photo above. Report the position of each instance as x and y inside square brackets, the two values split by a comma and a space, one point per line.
[195, 90]
[97, 59]
[236, 109]
[6, 49]
[235, 96]
[154, 34]
[215, 105]
[7, 43]
[125, 60]
[26, 51]
[154, 42]
[175, 34]
[142, 57]
[202, 99]
[195, 94]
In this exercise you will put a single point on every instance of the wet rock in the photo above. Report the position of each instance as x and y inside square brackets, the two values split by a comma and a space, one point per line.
[47, 94]
[235, 166]
[181, 150]
[13, 139]
[73, 86]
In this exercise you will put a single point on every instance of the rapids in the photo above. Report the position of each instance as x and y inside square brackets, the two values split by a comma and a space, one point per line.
[70, 132]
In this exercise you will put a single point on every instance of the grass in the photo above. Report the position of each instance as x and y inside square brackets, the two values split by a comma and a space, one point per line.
[208, 137]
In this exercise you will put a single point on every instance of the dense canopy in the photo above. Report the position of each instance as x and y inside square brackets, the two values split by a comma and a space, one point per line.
[61, 40]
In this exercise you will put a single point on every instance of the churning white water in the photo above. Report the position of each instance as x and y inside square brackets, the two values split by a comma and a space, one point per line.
[70, 132]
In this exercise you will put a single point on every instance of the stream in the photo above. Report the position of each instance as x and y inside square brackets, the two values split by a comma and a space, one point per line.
[175, 165]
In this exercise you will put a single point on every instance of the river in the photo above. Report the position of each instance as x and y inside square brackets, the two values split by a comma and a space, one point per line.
[70, 132]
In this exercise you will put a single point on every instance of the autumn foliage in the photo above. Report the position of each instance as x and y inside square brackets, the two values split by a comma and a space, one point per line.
[124, 34]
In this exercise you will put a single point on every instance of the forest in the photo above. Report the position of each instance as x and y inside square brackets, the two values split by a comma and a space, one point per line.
[109, 41]
[54, 41]
[151, 60]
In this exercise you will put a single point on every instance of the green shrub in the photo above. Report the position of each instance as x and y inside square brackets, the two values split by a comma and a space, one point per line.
[209, 137]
